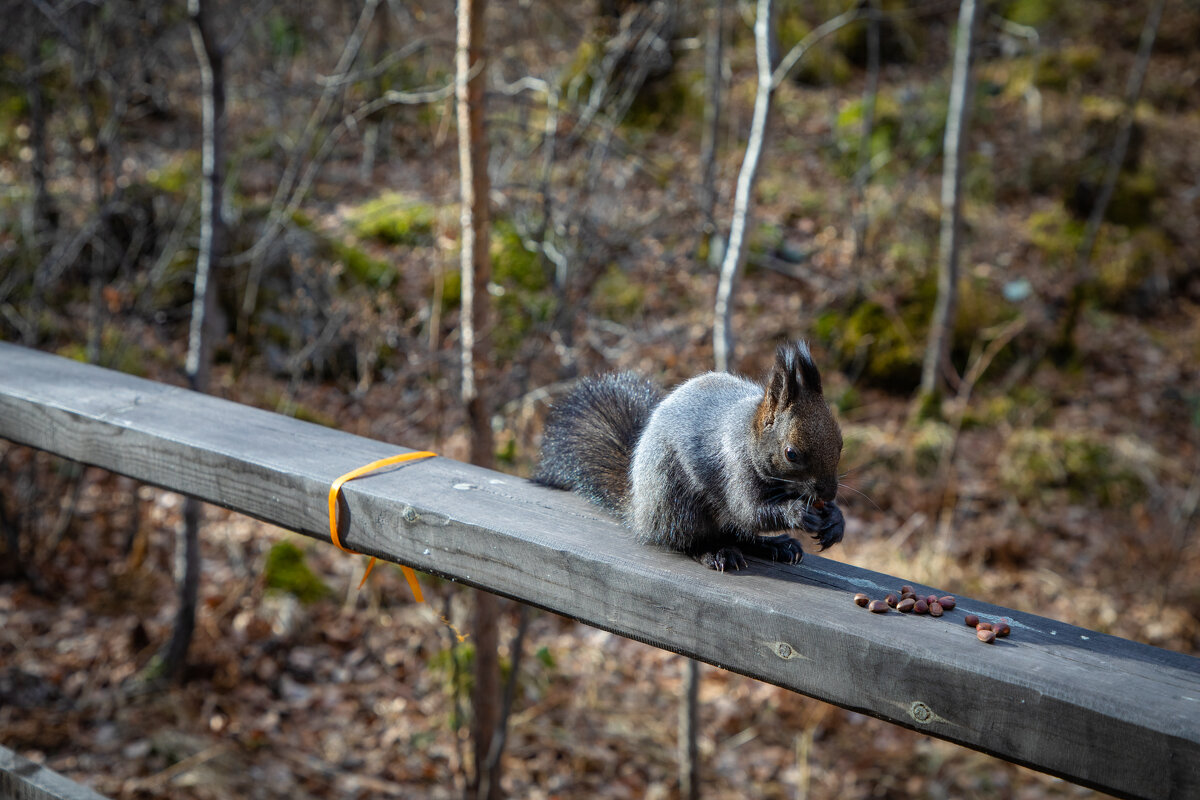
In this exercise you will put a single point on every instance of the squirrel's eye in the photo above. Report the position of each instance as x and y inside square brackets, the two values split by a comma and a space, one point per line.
[791, 454]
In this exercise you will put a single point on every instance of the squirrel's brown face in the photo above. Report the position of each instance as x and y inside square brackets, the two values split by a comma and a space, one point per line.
[799, 441]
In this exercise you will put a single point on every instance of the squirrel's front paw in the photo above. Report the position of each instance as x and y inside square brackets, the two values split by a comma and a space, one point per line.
[779, 548]
[826, 524]
[722, 560]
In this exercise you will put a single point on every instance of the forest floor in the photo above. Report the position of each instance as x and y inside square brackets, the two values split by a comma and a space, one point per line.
[1065, 487]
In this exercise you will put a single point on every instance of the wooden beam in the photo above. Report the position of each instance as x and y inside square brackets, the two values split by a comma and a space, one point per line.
[1095, 709]
[22, 779]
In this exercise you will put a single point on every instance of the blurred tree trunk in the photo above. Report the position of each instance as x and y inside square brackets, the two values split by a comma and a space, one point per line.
[476, 362]
[1064, 345]
[199, 357]
[954, 151]
[45, 217]
[862, 173]
[735, 246]
[689, 732]
[714, 55]
[689, 708]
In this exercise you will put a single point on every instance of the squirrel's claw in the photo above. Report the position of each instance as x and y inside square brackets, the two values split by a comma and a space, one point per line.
[722, 560]
[779, 548]
[826, 524]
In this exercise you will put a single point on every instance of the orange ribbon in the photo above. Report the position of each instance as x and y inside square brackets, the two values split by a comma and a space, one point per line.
[333, 524]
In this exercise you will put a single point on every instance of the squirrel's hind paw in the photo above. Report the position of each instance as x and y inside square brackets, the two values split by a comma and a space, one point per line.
[726, 559]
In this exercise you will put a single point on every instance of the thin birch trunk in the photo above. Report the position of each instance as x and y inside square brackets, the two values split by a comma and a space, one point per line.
[735, 247]
[770, 77]
[199, 355]
[954, 151]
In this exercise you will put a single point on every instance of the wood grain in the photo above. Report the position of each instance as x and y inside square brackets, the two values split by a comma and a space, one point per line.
[1095, 709]
[22, 779]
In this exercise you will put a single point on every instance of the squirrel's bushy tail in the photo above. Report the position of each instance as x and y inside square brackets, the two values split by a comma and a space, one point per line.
[590, 436]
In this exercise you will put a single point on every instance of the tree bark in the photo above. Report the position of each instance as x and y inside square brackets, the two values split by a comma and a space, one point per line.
[199, 356]
[475, 333]
[954, 151]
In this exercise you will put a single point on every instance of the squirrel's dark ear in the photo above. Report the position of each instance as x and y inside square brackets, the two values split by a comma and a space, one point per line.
[783, 384]
[793, 375]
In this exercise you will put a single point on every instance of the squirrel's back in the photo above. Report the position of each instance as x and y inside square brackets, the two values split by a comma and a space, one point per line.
[590, 436]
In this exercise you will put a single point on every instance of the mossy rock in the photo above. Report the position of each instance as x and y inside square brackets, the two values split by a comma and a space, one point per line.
[394, 219]
[287, 571]
[1087, 467]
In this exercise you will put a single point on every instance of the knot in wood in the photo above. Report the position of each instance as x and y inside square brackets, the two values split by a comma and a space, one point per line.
[785, 651]
[921, 712]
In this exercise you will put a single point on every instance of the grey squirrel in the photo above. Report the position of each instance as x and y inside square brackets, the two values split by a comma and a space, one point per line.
[709, 467]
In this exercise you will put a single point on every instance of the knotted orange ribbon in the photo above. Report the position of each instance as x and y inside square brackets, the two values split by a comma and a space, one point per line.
[333, 524]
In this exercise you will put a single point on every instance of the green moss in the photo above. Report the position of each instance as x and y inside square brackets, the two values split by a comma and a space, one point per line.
[663, 103]
[616, 297]
[513, 264]
[456, 666]
[283, 36]
[1024, 406]
[361, 267]
[117, 352]
[1056, 234]
[287, 571]
[451, 289]
[929, 441]
[177, 177]
[523, 291]
[394, 219]
[1133, 198]
[1057, 69]
[1126, 266]
[1087, 467]
[1029, 12]
[868, 341]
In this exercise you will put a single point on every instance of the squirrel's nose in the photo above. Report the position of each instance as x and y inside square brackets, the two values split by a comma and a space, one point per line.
[827, 490]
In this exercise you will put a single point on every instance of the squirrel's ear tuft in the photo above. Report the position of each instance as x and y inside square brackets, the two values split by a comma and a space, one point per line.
[809, 375]
[794, 372]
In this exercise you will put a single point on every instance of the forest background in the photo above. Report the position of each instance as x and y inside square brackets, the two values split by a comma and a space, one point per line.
[1058, 470]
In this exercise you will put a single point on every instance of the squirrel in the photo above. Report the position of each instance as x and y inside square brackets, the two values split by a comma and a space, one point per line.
[709, 467]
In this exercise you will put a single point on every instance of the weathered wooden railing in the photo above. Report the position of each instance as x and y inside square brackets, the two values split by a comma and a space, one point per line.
[1095, 709]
